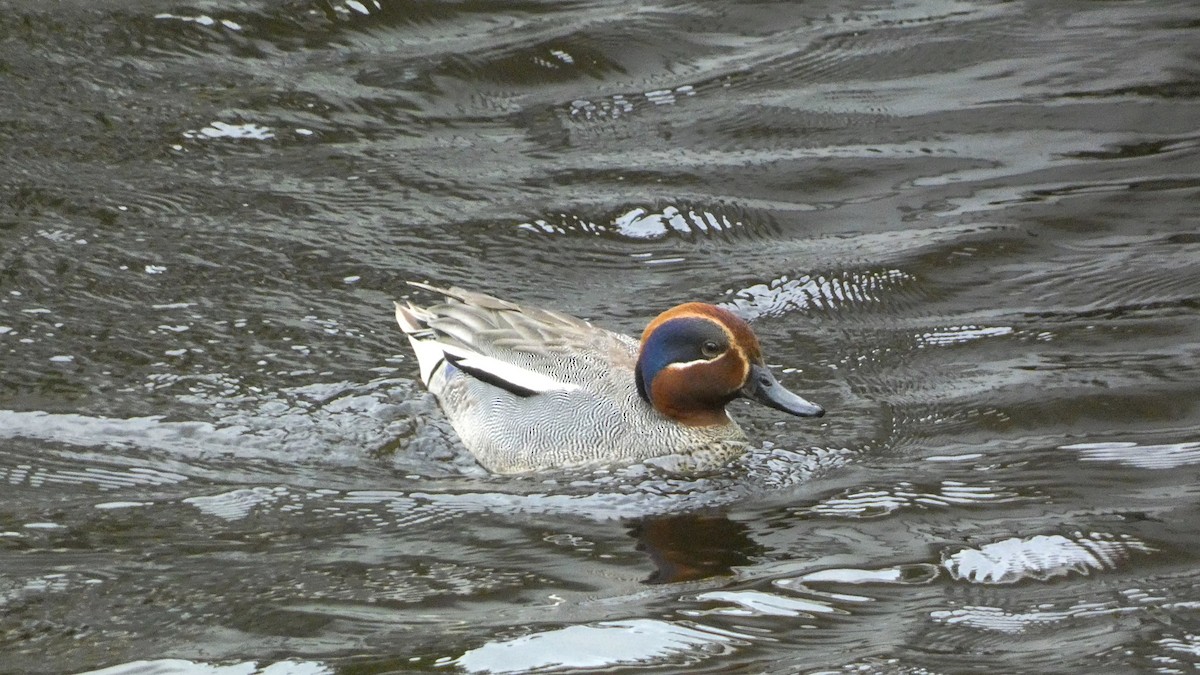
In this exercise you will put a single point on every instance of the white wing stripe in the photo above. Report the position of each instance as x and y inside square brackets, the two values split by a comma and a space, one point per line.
[502, 370]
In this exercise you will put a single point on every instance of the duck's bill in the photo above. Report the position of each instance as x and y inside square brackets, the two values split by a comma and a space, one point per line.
[762, 386]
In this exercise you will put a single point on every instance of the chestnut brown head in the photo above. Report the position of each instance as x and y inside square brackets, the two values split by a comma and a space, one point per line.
[696, 358]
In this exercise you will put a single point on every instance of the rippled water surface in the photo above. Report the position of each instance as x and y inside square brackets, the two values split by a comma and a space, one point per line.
[968, 229]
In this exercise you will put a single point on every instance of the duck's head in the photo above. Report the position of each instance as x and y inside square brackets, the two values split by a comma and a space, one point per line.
[696, 358]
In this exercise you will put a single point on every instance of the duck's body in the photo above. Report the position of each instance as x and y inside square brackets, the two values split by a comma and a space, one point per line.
[529, 389]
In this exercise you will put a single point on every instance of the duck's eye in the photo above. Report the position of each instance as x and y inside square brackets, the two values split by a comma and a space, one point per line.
[710, 348]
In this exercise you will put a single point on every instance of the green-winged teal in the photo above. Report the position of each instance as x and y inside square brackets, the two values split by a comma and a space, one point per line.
[529, 389]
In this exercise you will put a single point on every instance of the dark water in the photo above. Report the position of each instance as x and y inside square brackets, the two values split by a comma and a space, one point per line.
[968, 229]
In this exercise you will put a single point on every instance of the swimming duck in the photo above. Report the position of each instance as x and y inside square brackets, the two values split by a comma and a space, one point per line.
[529, 389]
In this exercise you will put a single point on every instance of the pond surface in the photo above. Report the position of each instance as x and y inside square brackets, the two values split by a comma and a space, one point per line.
[968, 229]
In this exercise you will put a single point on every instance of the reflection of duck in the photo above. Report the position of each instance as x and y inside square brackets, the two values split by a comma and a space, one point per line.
[691, 546]
[529, 389]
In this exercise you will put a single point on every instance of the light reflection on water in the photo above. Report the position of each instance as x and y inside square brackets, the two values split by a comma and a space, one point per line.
[966, 229]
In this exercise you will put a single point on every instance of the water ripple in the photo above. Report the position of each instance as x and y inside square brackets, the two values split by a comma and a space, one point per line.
[237, 504]
[760, 603]
[1042, 557]
[186, 667]
[1161, 456]
[689, 222]
[864, 502]
[814, 291]
[15, 591]
[607, 644]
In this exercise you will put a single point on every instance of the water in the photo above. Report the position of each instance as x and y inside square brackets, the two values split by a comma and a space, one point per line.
[968, 229]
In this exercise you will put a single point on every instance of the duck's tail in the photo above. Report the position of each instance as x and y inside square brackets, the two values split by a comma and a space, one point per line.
[413, 321]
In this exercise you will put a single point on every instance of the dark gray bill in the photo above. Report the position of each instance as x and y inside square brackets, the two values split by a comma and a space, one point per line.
[762, 386]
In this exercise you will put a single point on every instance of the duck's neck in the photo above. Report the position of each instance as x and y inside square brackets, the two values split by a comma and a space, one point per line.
[674, 397]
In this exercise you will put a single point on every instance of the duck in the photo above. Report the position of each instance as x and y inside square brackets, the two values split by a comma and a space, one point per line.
[529, 389]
